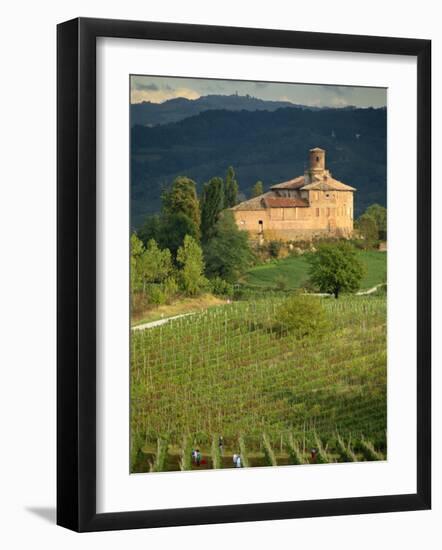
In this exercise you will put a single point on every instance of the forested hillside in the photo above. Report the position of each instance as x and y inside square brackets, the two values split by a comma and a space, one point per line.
[173, 110]
[260, 145]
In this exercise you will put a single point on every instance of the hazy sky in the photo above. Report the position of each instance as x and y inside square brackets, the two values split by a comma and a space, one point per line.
[158, 89]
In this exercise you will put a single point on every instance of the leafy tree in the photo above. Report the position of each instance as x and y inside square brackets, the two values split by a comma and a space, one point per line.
[136, 255]
[174, 228]
[190, 258]
[152, 228]
[301, 315]
[228, 253]
[335, 268]
[368, 229]
[212, 202]
[182, 199]
[230, 189]
[220, 287]
[257, 189]
[379, 214]
[156, 263]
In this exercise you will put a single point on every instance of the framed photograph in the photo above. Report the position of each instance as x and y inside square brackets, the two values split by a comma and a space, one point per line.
[243, 274]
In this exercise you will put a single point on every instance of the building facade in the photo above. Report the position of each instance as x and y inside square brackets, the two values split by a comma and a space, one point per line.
[311, 206]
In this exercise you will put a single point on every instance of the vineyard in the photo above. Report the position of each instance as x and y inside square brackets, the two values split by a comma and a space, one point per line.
[272, 397]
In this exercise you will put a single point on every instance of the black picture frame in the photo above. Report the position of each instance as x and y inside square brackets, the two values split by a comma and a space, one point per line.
[76, 274]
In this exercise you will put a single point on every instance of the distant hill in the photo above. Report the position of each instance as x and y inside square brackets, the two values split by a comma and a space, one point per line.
[173, 110]
[271, 146]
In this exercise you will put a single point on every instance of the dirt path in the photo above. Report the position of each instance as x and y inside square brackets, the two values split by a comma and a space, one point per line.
[160, 322]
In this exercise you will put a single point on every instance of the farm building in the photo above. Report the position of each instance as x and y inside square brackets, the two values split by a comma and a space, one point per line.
[310, 206]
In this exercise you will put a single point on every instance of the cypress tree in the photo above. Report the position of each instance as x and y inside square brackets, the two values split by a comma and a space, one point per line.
[212, 203]
[231, 189]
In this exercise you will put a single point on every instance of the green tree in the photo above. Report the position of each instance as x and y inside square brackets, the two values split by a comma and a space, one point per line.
[368, 229]
[190, 258]
[212, 202]
[182, 199]
[379, 214]
[335, 268]
[228, 253]
[257, 189]
[136, 271]
[156, 263]
[174, 228]
[230, 189]
[151, 229]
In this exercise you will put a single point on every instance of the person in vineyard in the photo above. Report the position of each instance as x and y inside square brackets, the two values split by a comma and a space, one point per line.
[220, 444]
[198, 457]
[235, 457]
[238, 461]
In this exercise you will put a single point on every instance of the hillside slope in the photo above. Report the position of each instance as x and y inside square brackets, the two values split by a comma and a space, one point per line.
[261, 145]
[179, 108]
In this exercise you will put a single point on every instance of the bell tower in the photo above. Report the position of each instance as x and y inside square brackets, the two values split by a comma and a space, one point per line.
[317, 160]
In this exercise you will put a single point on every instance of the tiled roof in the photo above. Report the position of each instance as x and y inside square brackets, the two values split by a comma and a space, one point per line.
[327, 184]
[253, 204]
[308, 182]
[295, 183]
[284, 202]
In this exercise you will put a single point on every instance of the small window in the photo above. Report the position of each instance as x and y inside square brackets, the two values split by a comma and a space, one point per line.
[317, 212]
[317, 159]
[260, 222]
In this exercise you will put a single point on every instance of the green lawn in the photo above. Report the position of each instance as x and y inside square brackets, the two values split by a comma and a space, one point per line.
[294, 271]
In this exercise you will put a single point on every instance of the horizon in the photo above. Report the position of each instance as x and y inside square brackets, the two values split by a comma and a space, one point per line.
[159, 89]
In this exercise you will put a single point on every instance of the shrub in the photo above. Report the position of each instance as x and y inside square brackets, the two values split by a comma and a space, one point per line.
[274, 248]
[302, 315]
[156, 294]
[170, 289]
[220, 287]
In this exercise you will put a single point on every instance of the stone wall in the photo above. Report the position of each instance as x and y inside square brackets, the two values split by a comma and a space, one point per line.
[330, 214]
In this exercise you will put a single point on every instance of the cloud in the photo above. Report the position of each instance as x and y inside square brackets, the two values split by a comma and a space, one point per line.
[160, 95]
[142, 86]
[338, 102]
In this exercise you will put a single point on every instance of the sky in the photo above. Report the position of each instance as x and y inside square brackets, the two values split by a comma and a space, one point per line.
[158, 89]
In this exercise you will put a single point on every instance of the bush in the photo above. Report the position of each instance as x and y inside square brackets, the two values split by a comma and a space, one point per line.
[302, 315]
[274, 248]
[170, 289]
[220, 287]
[156, 295]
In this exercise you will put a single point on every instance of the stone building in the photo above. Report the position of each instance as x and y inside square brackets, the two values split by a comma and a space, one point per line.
[311, 206]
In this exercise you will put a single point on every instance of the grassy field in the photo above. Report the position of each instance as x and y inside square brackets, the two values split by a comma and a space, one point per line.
[179, 307]
[225, 372]
[294, 271]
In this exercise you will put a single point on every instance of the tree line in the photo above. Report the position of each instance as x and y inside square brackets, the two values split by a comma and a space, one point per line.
[192, 246]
